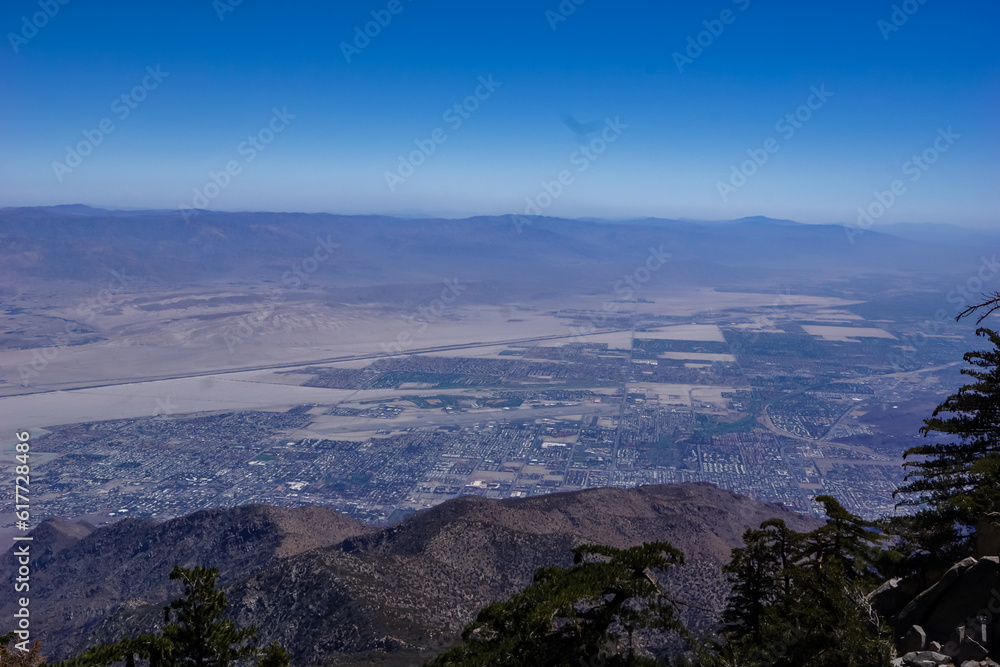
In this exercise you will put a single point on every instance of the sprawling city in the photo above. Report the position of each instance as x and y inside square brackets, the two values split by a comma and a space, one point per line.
[781, 405]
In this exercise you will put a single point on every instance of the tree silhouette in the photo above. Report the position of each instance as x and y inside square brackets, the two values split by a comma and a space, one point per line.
[955, 484]
[199, 634]
[990, 305]
[592, 610]
[196, 633]
[273, 655]
[846, 541]
[760, 573]
[797, 599]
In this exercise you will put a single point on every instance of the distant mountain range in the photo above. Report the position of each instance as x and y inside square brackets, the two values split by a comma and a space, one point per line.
[81, 243]
[332, 589]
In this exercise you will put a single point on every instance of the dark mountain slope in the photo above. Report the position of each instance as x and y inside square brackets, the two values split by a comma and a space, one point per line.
[77, 578]
[409, 589]
[332, 589]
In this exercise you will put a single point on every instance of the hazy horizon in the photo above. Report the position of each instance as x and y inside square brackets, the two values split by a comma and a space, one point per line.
[416, 216]
[575, 109]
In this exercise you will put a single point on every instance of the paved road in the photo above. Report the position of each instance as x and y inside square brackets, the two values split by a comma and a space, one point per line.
[73, 386]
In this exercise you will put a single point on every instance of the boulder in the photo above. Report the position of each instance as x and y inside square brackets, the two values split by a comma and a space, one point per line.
[965, 602]
[951, 647]
[920, 606]
[971, 650]
[988, 536]
[891, 597]
[914, 640]
[926, 659]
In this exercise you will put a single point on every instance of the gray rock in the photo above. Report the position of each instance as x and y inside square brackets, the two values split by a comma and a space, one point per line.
[951, 647]
[977, 628]
[988, 536]
[891, 597]
[970, 649]
[926, 659]
[914, 640]
[917, 609]
[965, 599]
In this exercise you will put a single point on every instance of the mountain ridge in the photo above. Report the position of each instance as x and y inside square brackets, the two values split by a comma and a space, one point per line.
[331, 588]
[66, 244]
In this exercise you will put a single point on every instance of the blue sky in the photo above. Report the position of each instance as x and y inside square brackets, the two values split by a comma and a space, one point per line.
[330, 123]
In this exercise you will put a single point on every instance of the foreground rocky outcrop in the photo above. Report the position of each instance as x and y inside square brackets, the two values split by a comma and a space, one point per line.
[955, 621]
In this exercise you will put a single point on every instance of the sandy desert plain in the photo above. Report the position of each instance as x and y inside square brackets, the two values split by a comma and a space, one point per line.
[203, 358]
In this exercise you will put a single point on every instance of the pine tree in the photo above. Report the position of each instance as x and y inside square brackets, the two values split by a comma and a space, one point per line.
[755, 575]
[570, 616]
[274, 655]
[200, 635]
[761, 574]
[955, 484]
[797, 599]
[196, 634]
[153, 648]
[846, 541]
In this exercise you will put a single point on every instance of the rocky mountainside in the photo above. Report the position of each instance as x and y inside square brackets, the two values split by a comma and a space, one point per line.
[331, 589]
[81, 576]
